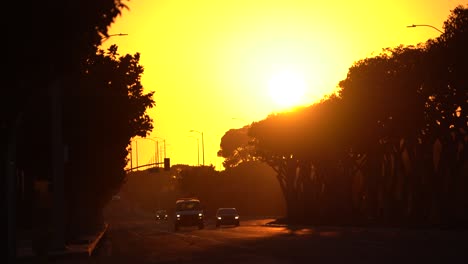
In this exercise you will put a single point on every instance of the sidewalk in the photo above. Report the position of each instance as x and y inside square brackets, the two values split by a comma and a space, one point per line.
[81, 248]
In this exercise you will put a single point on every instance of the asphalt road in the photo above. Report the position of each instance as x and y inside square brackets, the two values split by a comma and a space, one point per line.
[144, 240]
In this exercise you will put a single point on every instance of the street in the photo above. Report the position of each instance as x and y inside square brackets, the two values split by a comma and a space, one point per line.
[144, 240]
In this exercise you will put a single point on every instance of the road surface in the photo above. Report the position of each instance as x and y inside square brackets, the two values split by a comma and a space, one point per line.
[144, 240]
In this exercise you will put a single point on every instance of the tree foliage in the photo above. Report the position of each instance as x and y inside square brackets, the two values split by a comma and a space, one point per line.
[104, 111]
[54, 44]
[249, 187]
[235, 147]
[45, 40]
[391, 146]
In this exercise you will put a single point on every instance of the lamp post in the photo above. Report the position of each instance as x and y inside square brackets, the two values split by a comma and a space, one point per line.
[156, 149]
[132, 140]
[131, 158]
[112, 35]
[423, 25]
[198, 149]
[164, 142]
[203, 144]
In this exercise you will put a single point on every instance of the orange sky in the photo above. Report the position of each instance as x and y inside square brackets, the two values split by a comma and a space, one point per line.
[213, 63]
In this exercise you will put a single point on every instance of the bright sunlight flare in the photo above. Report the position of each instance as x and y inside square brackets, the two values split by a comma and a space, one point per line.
[287, 88]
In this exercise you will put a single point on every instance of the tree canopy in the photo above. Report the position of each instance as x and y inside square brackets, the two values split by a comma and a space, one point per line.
[235, 147]
[104, 112]
[45, 40]
[385, 144]
[62, 86]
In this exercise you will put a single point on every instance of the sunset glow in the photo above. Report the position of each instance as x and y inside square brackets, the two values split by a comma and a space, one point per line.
[287, 88]
[209, 61]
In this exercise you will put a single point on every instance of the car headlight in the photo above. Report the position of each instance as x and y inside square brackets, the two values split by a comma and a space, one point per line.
[219, 217]
[200, 214]
[237, 217]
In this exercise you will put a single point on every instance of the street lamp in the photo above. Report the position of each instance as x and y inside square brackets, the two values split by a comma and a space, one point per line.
[203, 144]
[164, 142]
[156, 151]
[198, 149]
[425, 26]
[156, 156]
[131, 153]
[106, 38]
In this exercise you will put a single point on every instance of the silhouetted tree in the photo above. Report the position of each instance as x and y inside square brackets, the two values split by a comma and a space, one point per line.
[307, 150]
[46, 40]
[235, 147]
[104, 111]
[47, 44]
[447, 118]
[393, 143]
[385, 111]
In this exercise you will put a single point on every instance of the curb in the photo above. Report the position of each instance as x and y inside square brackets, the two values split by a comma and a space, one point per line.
[94, 243]
[85, 247]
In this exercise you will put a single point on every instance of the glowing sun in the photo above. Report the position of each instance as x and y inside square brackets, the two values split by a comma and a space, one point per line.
[287, 88]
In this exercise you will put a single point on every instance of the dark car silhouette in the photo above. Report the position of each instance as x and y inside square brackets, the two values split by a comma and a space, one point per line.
[189, 212]
[227, 216]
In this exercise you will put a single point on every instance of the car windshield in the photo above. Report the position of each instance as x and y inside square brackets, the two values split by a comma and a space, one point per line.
[227, 211]
[161, 212]
[187, 206]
